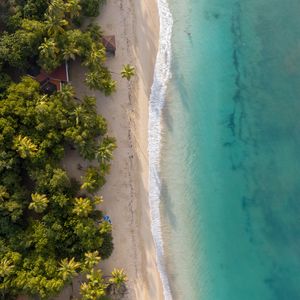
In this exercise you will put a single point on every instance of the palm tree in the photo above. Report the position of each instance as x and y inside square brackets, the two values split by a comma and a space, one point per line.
[104, 153]
[98, 200]
[67, 92]
[95, 288]
[48, 49]
[95, 31]
[73, 8]
[33, 26]
[104, 168]
[91, 259]
[105, 227]
[24, 146]
[100, 79]
[56, 8]
[70, 52]
[42, 103]
[6, 267]
[49, 55]
[96, 56]
[78, 111]
[68, 268]
[3, 193]
[55, 25]
[92, 179]
[118, 280]
[108, 86]
[128, 71]
[92, 80]
[39, 202]
[70, 48]
[89, 184]
[83, 207]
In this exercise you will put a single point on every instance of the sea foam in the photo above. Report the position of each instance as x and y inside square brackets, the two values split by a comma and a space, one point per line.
[162, 74]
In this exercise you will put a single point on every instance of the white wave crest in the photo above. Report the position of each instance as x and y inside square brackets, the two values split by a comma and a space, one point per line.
[162, 74]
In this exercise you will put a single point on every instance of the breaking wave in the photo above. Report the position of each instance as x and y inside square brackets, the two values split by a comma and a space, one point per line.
[162, 74]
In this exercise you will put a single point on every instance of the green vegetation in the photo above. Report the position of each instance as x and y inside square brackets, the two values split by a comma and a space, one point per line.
[96, 287]
[91, 7]
[47, 32]
[117, 282]
[127, 72]
[50, 229]
[48, 224]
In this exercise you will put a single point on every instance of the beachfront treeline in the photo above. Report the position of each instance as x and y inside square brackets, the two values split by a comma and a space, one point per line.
[47, 33]
[50, 229]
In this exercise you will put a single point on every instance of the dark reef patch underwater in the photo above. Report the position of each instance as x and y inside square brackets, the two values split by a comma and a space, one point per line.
[231, 145]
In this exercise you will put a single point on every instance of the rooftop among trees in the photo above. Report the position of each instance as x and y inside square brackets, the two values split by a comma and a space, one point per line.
[50, 229]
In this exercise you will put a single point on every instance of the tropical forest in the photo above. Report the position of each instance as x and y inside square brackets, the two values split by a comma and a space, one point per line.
[51, 229]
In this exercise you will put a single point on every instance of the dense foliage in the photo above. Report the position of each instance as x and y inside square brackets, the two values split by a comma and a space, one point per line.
[50, 229]
[47, 217]
[46, 32]
[91, 7]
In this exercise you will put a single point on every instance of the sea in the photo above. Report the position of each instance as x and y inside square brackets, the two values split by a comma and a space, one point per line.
[224, 149]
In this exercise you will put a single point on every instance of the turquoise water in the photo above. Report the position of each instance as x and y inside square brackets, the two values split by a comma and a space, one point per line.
[230, 166]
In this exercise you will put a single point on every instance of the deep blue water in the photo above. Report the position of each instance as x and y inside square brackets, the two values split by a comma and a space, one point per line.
[231, 151]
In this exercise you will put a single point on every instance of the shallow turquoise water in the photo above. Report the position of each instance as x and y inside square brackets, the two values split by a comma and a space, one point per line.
[230, 164]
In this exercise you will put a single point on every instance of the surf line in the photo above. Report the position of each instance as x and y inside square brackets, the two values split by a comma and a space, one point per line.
[162, 74]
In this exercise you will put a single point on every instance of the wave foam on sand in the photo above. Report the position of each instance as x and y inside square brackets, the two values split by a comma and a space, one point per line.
[162, 74]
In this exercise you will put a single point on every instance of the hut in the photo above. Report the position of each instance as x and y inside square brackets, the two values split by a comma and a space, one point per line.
[109, 43]
[51, 82]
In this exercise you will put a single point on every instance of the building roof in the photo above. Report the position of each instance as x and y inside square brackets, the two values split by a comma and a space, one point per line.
[109, 43]
[59, 74]
[54, 79]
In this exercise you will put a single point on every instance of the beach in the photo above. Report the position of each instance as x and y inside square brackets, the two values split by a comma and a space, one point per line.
[229, 120]
[135, 25]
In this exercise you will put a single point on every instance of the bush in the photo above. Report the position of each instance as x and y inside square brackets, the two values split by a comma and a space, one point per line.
[107, 246]
[90, 8]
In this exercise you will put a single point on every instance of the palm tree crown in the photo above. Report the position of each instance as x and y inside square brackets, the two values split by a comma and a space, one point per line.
[105, 150]
[82, 207]
[105, 227]
[95, 288]
[6, 266]
[24, 146]
[73, 8]
[118, 277]
[128, 71]
[91, 259]
[39, 202]
[3, 193]
[48, 48]
[68, 268]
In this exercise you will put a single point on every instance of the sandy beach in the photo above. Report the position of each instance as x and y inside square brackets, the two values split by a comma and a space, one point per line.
[135, 25]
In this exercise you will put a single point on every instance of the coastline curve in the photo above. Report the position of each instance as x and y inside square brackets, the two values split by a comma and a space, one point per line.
[162, 74]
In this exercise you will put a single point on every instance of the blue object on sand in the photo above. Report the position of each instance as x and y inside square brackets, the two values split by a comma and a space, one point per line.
[107, 218]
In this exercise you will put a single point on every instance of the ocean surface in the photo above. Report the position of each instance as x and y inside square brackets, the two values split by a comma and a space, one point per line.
[226, 162]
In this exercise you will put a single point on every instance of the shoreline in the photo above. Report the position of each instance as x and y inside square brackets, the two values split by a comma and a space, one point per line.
[162, 75]
[136, 27]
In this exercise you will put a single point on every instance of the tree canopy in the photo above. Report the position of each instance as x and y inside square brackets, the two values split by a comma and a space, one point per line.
[48, 32]
[50, 228]
[45, 226]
